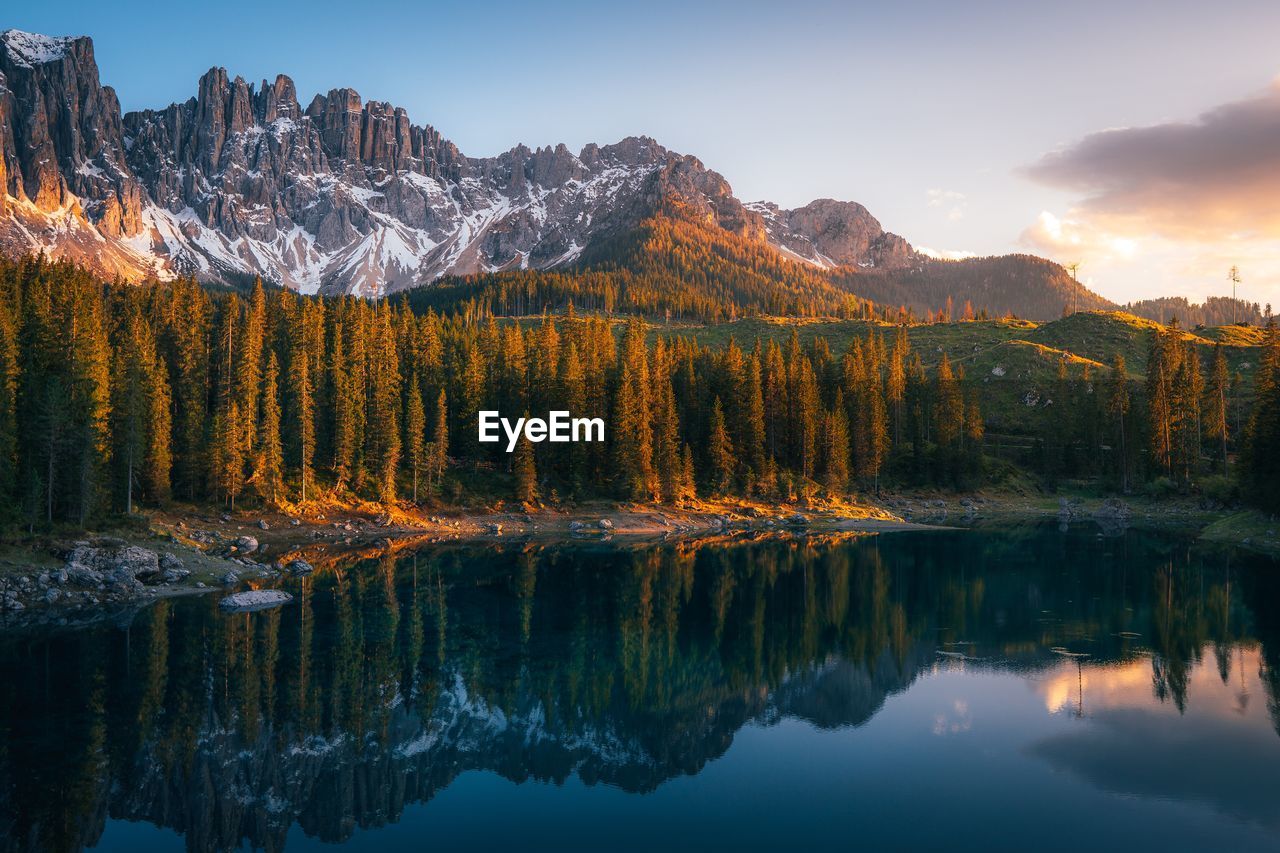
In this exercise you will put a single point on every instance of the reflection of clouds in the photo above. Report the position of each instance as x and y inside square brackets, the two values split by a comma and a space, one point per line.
[1129, 685]
[1219, 762]
[1103, 686]
[1219, 752]
[954, 721]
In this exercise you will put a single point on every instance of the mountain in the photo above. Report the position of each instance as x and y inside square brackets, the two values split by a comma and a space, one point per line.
[348, 196]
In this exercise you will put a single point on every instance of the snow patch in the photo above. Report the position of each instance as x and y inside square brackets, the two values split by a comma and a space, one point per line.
[28, 50]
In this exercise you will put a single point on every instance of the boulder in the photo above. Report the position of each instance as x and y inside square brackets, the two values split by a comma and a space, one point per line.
[254, 599]
[605, 524]
[93, 564]
[247, 544]
[299, 567]
[576, 526]
[1114, 508]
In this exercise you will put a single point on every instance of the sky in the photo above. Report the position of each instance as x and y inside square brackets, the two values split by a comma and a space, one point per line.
[1138, 138]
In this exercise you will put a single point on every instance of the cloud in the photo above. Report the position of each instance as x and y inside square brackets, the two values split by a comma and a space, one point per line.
[954, 202]
[945, 254]
[1073, 240]
[1214, 178]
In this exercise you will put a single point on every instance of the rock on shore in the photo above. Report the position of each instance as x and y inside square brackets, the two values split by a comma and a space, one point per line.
[255, 599]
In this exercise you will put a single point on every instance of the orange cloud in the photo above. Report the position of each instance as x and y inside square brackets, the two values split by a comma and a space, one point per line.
[1207, 180]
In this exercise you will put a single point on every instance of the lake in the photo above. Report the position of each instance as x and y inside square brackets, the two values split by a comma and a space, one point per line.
[1016, 687]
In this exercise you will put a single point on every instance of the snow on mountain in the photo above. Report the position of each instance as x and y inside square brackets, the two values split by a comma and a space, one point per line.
[342, 196]
[30, 49]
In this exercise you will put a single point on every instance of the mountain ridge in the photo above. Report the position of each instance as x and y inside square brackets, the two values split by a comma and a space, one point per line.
[346, 195]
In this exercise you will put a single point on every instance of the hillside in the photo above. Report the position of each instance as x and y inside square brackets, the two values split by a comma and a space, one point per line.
[1002, 350]
[1024, 285]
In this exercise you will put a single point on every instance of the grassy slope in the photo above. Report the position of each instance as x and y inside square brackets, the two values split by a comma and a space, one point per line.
[1025, 349]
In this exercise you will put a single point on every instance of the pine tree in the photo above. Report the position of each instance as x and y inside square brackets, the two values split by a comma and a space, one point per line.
[835, 447]
[1215, 404]
[526, 472]
[140, 418]
[228, 453]
[1118, 410]
[438, 449]
[1162, 369]
[1259, 462]
[632, 420]
[268, 473]
[248, 373]
[415, 425]
[720, 459]
[383, 431]
[303, 417]
[9, 373]
[896, 382]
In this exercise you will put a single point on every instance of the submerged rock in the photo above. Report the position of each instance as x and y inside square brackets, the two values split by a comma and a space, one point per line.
[255, 599]
[299, 567]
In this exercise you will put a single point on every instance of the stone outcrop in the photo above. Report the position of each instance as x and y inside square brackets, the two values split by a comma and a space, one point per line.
[343, 195]
[835, 233]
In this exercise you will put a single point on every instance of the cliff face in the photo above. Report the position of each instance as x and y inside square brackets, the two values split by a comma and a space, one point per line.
[831, 233]
[343, 195]
[350, 196]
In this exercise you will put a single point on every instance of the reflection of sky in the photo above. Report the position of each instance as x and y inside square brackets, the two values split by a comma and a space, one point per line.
[965, 755]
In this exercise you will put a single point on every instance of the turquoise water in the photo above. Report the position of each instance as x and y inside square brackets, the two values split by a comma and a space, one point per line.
[1016, 688]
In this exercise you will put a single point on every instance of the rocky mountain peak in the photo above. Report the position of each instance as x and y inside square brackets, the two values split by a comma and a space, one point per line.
[832, 233]
[346, 195]
[27, 50]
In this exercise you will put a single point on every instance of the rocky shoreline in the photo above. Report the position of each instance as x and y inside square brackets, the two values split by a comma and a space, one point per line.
[192, 554]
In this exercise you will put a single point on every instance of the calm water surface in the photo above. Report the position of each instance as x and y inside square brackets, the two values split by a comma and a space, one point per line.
[1019, 689]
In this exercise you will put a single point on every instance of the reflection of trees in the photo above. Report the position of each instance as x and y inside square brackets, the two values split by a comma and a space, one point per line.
[624, 665]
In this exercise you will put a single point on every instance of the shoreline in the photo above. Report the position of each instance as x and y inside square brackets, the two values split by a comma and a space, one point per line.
[224, 553]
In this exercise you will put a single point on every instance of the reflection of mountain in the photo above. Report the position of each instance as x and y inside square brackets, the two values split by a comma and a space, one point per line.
[240, 787]
[625, 667]
[840, 693]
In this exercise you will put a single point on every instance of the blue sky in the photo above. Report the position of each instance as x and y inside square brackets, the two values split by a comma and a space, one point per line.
[929, 113]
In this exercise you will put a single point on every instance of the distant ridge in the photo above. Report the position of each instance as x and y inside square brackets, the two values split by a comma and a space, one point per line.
[342, 195]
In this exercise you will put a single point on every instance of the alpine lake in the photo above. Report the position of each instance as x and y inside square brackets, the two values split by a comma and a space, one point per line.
[1013, 687]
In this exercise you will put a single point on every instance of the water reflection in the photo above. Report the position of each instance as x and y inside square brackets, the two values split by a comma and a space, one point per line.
[630, 667]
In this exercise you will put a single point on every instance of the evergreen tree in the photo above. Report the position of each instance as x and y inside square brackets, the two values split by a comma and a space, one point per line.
[1216, 403]
[303, 417]
[268, 468]
[1118, 410]
[415, 426]
[632, 420]
[1259, 460]
[720, 459]
[835, 448]
[526, 472]
[438, 449]
[140, 419]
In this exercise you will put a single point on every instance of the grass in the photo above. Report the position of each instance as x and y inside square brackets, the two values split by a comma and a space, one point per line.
[1249, 528]
[1027, 352]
